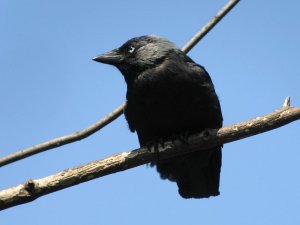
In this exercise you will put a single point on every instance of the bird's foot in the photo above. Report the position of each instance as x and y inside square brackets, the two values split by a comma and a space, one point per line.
[154, 144]
[183, 137]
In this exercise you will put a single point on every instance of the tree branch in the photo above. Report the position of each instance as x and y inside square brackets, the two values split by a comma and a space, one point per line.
[32, 189]
[60, 141]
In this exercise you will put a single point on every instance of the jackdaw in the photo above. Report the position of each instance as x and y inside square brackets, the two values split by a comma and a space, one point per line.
[169, 95]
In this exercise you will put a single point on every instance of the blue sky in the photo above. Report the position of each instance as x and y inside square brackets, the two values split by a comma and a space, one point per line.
[50, 87]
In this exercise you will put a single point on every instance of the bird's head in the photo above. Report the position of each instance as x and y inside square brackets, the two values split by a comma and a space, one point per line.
[138, 54]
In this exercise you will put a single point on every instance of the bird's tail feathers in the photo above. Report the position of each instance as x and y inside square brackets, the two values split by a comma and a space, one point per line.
[197, 174]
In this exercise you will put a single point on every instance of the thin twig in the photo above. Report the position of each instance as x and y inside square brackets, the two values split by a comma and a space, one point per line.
[201, 33]
[57, 142]
[32, 189]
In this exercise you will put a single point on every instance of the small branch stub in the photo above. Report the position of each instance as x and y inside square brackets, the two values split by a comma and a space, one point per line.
[287, 102]
[29, 186]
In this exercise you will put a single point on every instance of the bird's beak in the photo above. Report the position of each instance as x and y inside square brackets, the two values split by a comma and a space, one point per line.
[113, 57]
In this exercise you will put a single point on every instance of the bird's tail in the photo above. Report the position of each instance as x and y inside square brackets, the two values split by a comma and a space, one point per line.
[197, 174]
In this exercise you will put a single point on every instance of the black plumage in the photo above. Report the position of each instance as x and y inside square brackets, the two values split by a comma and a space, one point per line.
[169, 95]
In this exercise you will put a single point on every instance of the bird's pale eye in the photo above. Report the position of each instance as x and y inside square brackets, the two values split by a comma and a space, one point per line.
[131, 49]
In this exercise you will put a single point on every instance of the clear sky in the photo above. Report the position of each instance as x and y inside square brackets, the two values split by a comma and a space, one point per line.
[49, 87]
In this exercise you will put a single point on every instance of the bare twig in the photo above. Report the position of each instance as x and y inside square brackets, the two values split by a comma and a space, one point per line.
[201, 33]
[33, 189]
[57, 142]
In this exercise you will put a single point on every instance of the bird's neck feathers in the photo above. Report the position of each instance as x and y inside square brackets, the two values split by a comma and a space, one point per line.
[130, 73]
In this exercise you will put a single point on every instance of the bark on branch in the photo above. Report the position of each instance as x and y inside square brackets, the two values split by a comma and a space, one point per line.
[33, 189]
[76, 136]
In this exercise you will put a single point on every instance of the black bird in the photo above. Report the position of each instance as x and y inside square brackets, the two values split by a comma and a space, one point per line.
[169, 95]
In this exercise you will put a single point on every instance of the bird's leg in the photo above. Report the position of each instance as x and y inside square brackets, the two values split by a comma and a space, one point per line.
[184, 137]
